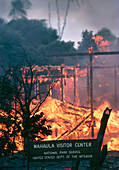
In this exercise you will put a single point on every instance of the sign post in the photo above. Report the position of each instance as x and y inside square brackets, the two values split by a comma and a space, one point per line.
[90, 50]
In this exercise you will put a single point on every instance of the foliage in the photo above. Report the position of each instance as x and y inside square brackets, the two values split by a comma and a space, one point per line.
[18, 116]
[86, 41]
[10, 51]
[35, 37]
[6, 93]
[1, 21]
[56, 47]
[19, 8]
[7, 117]
[40, 41]
[35, 32]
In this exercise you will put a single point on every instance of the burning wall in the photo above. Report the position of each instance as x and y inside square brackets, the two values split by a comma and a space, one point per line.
[73, 84]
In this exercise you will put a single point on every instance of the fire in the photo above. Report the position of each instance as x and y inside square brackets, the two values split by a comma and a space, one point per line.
[101, 43]
[64, 117]
[90, 50]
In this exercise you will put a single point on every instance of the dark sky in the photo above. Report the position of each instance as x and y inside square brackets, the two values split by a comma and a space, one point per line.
[92, 15]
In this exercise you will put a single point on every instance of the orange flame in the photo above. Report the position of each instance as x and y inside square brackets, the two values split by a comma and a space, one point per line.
[101, 43]
[64, 117]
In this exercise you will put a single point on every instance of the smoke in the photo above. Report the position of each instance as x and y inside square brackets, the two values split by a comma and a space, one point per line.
[5, 5]
[92, 15]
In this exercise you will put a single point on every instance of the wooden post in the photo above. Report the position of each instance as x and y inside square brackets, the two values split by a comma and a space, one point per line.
[40, 91]
[100, 136]
[61, 84]
[115, 87]
[37, 89]
[48, 86]
[75, 165]
[88, 86]
[91, 88]
[28, 140]
[74, 84]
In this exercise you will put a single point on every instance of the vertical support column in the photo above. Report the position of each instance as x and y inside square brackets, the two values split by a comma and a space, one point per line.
[35, 84]
[37, 89]
[91, 88]
[115, 87]
[48, 86]
[74, 84]
[88, 86]
[61, 84]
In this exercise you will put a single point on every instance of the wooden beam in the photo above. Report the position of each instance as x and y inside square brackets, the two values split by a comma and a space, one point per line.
[84, 54]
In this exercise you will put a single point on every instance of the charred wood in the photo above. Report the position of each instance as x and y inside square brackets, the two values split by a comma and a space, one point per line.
[75, 165]
[102, 153]
[78, 125]
[62, 134]
[103, 126]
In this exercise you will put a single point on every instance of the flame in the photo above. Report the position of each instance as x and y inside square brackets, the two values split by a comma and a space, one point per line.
[101, 43]
[63, 117]
[90, 50]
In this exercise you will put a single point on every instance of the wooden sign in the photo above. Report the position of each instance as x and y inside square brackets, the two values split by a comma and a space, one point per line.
[62, 150]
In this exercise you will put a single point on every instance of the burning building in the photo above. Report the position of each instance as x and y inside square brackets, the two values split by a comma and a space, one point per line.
[67, 108]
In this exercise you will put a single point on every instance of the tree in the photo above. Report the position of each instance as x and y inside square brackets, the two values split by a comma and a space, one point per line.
[10, 50]
[29, 34]
[54, 48]
[36, 38]
[9, 128]
[86, 41]
[18, 116]
[33, 32]
[19, 8]
[1, 21]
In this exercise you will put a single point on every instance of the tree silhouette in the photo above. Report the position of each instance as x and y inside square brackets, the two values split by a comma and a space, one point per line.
[19, 8]
[8, 123]
[87, 41]
[18, 116]
[36, 38]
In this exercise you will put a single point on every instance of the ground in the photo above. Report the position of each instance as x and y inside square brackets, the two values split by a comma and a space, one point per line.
[16, 162]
